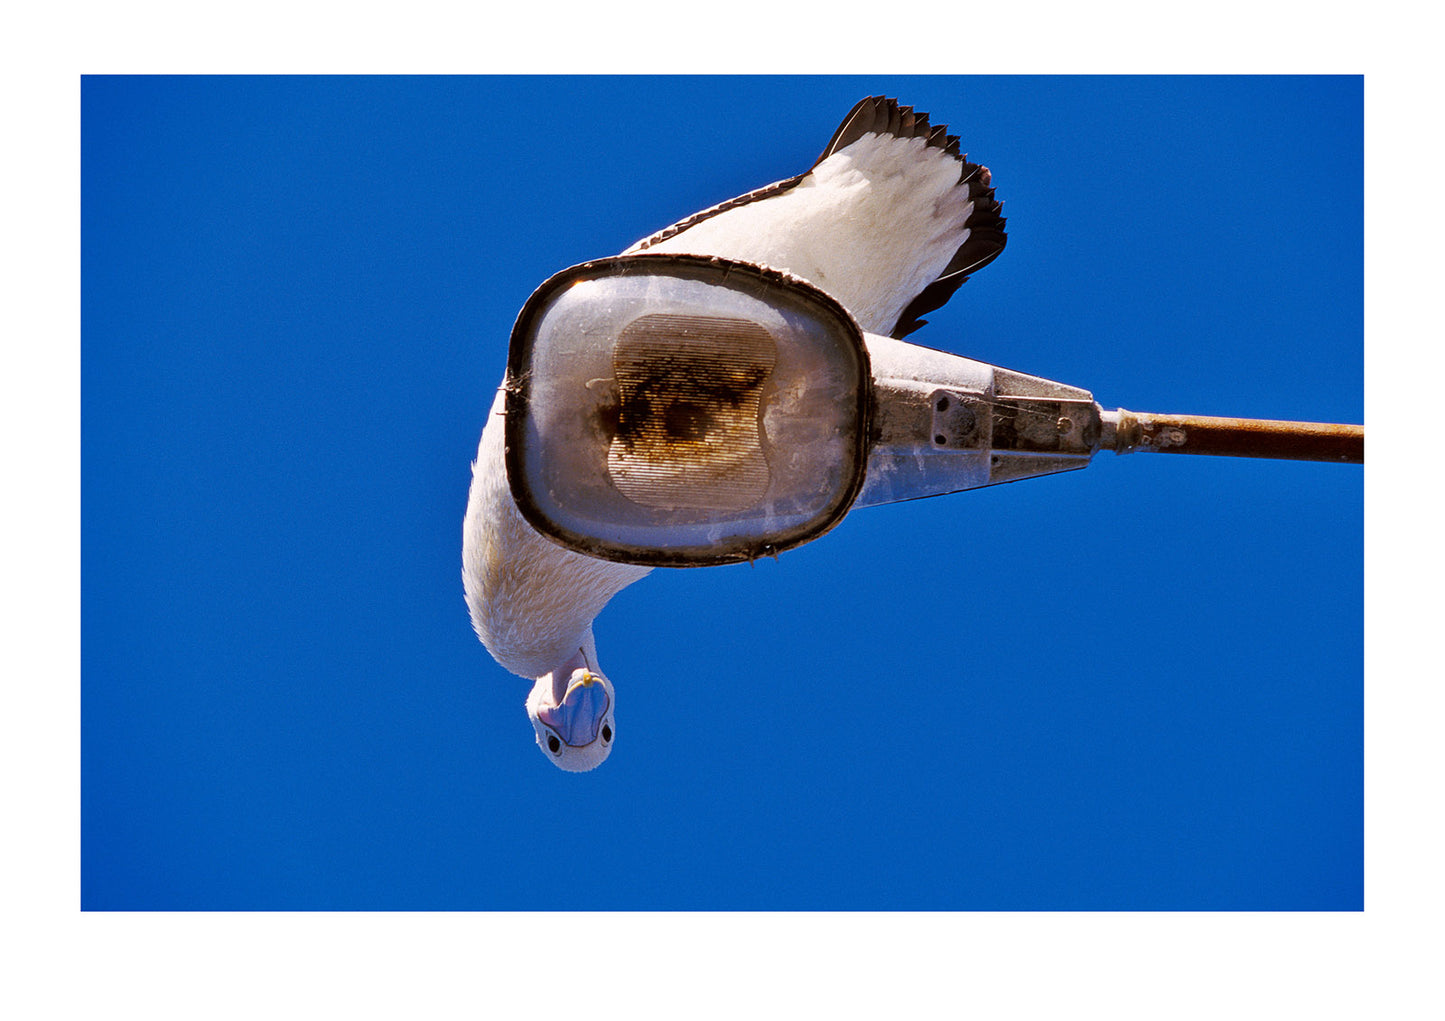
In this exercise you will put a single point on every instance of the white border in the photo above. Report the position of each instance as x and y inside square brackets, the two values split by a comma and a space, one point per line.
[218, 965]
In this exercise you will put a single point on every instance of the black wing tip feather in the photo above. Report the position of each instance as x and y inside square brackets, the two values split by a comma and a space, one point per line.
[986, 237]
[884, 116]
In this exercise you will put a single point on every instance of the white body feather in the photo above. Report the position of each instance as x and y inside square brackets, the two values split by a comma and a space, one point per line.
[872, 225]
[532, 601]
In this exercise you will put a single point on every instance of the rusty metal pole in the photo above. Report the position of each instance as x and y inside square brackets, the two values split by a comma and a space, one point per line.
[1125, 432]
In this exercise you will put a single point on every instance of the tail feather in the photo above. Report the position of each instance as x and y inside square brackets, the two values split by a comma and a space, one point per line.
[986, 237]
[877, 115]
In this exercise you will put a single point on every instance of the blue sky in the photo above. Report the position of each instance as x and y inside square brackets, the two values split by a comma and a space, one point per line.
[1139, 686]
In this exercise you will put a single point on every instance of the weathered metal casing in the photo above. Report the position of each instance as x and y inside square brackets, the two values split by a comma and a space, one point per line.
[943, 423]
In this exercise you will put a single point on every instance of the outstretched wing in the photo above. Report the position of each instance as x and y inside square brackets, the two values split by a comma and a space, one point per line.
[890, 219]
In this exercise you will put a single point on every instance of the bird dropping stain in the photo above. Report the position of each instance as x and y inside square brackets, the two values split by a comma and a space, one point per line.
[685, 429]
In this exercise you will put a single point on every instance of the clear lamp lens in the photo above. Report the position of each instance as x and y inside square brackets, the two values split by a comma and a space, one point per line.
[680, 411]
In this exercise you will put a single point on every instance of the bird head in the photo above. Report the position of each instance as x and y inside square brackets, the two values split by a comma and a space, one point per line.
[571, 710]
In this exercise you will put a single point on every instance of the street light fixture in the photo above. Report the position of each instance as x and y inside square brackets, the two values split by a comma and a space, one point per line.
[682, 411]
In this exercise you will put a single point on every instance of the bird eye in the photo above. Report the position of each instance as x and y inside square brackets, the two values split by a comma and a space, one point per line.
[553, 743]
[606, 733]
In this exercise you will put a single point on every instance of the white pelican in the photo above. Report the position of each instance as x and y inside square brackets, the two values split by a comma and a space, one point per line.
[889, 220]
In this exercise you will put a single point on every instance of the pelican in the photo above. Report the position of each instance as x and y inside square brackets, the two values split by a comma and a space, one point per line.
[889, 220]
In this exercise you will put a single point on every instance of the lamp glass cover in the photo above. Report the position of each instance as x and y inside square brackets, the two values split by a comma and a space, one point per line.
[679, 410]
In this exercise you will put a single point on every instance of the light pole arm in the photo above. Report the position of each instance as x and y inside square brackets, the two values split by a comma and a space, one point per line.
[1125, 432]
[944, 423]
